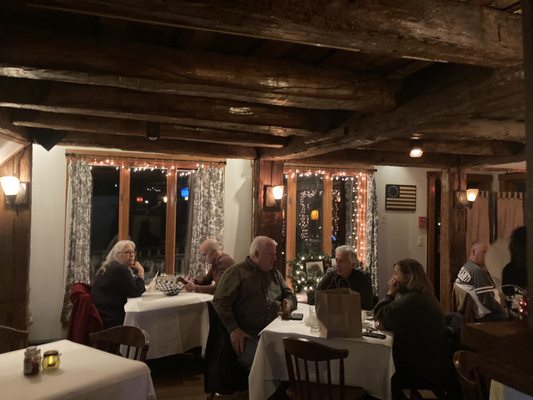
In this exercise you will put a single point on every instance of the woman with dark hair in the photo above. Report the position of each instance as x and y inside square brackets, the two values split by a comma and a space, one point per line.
[119, 277]
[514, 275]
[421, 350]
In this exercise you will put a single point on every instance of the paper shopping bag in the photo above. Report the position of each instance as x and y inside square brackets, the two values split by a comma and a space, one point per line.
[339, 313]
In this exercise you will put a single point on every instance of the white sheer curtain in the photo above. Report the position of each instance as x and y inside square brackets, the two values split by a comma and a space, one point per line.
[207, 212]
[510, 213]
[79, 232]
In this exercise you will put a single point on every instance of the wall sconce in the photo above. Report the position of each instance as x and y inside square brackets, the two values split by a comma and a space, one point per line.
[273, 196]
[416, 149]
[465, 198]
[314, 215]
[14, 191]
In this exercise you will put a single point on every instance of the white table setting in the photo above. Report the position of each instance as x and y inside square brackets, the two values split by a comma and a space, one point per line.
[83, 373]
[369, 363]
[175, 324]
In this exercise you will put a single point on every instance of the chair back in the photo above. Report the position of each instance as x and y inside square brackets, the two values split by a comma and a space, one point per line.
[126, 341]
[303, 355]
[474, 385]
[12, 339]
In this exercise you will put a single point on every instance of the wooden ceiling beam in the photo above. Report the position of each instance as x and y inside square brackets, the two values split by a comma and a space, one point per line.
[165, 146]
[74, 123]
[109, 102]
[11, 132]
[42, 55]
[453, 112]
[420, 29]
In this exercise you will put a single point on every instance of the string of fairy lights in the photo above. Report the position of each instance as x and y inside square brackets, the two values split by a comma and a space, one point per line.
[354, 217]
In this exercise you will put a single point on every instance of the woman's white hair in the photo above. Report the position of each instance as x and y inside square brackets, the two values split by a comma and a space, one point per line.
[113, 254]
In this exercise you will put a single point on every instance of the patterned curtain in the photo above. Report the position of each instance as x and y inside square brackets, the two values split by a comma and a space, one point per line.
[207, 204]
[510, 213]
[79, 242]
[371, 236]
[477, 221]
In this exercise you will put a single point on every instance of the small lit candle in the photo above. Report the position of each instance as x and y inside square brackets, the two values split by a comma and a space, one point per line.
[50, 360]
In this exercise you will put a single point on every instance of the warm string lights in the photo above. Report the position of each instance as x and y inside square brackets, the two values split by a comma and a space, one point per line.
[165, 167]
[348, 199]
[300, 278]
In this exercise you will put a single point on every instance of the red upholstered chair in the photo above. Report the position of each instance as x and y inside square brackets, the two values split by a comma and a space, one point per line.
[85, 317]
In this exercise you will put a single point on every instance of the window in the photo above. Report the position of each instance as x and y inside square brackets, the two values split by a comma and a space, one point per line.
[143, 200]
[324, 209]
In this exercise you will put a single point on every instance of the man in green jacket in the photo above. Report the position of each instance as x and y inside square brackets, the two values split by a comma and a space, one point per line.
[250, 295]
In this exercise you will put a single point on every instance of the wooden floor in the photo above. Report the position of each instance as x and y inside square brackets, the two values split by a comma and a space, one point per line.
[182, 377]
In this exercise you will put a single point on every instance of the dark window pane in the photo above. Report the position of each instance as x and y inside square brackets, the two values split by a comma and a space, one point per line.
[104, 212]
[309, 216]
[182, 222]
[148, 211]
[344, 212]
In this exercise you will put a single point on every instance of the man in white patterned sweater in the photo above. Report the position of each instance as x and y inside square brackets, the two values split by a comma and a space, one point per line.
[476, 280]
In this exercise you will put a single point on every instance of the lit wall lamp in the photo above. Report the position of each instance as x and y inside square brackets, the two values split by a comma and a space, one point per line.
[465, 198]
[14, 191]
[273, 196]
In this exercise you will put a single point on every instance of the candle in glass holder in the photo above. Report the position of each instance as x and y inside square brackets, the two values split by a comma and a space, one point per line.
[50, 360]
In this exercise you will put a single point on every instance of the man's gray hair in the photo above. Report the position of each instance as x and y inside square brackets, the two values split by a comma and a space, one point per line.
[259, 243]
[211, 244]
[347, 249]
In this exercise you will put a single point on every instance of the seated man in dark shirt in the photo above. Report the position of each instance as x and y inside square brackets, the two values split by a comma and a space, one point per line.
[250, 295]
[345, 275]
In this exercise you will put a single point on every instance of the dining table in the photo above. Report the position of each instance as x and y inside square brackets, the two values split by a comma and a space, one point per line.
[369, 363]
[84, 373]
[175, 324]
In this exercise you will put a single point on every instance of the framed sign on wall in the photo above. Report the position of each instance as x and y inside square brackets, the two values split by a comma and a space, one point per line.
[400, 197]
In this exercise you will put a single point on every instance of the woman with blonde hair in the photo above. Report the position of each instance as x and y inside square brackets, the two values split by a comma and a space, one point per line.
[119, 277]
[421, 350]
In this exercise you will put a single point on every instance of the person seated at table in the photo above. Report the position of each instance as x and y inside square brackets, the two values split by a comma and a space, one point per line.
[250, 295]
[212, 254]
[421, 349]
[346, 275]
[514, 275]
[474, 278]
[119, 277]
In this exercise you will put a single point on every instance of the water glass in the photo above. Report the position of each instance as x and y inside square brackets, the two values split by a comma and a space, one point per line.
[313, 321]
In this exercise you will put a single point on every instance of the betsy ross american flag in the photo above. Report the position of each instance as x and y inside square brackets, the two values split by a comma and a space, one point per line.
[400, 197]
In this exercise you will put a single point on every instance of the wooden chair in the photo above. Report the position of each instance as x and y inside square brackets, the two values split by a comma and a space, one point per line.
[474, 385]
[12, 339]
[300, 355]
[134, 340]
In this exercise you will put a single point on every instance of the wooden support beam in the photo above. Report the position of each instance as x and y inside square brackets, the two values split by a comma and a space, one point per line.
[420, 29]
[163, 108]
[41, 55]
[11, 132]
[165, 146]
[65, 122]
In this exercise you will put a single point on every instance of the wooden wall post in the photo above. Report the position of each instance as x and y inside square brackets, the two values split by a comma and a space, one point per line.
[452, 235]
[527, 28]
[269, 222]
[15, 246]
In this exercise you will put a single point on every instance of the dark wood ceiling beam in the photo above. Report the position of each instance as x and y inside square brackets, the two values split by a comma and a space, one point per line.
[165, 146]
[74, 123]
[350, 157]
[421, 29]
[437, 114]
[171, 109]
[458, 147]
[11, 132]
[41, 55]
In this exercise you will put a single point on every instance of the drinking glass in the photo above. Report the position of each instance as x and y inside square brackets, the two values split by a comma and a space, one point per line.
[313, 321]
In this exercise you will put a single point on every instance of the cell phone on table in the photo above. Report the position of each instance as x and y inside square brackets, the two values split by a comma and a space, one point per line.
[297, 316]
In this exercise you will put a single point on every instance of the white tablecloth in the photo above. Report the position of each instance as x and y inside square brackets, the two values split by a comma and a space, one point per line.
[369, 363]
[84, 373]
[499, 391]
[174, 324]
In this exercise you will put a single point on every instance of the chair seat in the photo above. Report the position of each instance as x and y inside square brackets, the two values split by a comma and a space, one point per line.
[321, 391]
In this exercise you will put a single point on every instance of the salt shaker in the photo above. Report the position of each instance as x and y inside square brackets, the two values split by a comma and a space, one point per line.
[32, 361]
